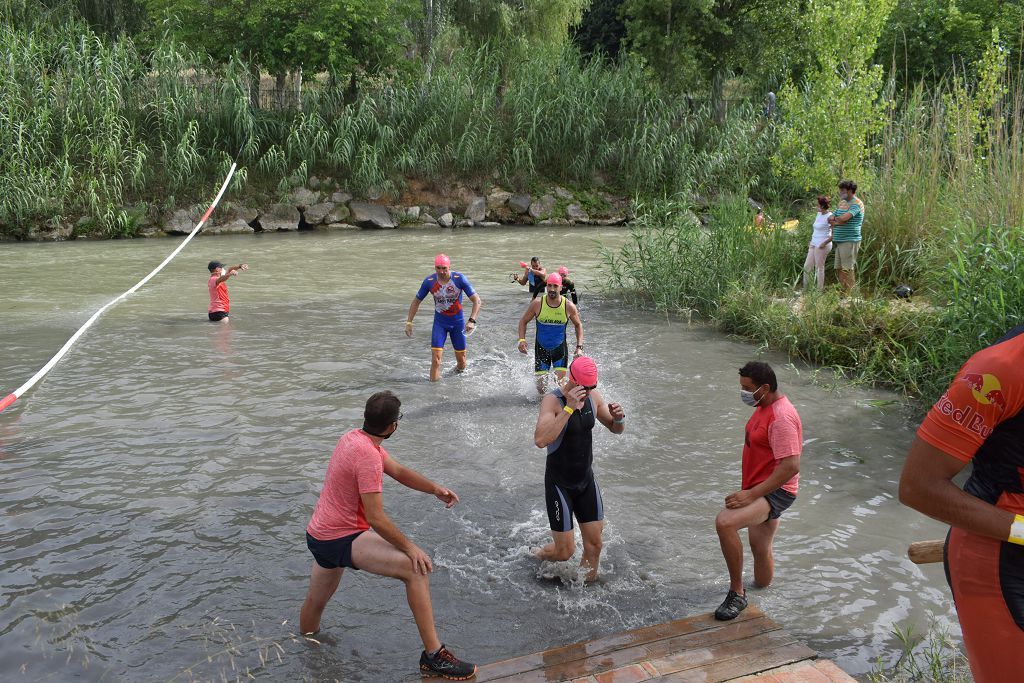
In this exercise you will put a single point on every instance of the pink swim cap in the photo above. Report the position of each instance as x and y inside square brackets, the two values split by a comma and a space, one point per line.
[583, 371]
[563, 271]
[442, 260]
[553, 279]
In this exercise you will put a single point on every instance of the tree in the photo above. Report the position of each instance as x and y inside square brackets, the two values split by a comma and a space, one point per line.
[695, 44]
[282, 35]
[830, 117]
[534, 22]
[601, 29]
[925, 39]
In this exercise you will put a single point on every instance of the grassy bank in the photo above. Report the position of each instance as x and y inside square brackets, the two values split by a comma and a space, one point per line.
[946, 220]
[89, 126]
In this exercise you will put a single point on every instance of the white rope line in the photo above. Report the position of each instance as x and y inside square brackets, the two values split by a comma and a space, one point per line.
[16, 394]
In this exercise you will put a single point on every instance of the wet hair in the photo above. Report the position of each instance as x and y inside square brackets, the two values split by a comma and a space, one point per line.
[823, 201]
[381, 410]
[535, 259]
[848, 185]
[214, 265]
[760, 373]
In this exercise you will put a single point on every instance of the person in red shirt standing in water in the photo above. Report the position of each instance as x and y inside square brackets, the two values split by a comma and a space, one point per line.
[220, 304]
[979, 420]
[349, 528]
[771, 474]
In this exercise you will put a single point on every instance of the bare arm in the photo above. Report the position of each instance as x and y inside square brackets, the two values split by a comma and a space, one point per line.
[608, 413]
[522, 278]
[413, 307]
[577, 325]
[553, 416]
[232, 271]
[410, 478]
[477, 303]
[926, 485]
[531, 312]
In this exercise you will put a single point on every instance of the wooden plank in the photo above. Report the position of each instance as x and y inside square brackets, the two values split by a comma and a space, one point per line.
[606, 644]
[744, 652]
[722, 638]
[764, 658]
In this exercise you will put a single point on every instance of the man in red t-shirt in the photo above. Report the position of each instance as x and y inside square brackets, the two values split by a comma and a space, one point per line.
[979, 420]
[349, 528]
[771, 475]
[220, 304]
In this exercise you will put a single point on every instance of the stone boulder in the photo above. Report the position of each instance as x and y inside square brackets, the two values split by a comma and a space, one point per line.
[463, 223]
[240, 211]
[282, 212]
[542, 208]
[235, 227]
[337, 226]
[477, 209]
[367, 215]
[446, 220]
[303, 197]
[576, 214]
[520, 203]
[181, 222]
[563, 193]
[271, 224]
[341, 197]
[339, 214]
[317, 213]
[413, 212]
[427, 219]
[498, 199]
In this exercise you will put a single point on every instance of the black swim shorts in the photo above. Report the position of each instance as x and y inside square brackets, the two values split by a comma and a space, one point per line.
[779, 501]
[217, 316]
[333, 554]
[564, 503]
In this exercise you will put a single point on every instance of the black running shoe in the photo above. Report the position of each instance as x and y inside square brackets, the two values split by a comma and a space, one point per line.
[731, 608]
[446, 665]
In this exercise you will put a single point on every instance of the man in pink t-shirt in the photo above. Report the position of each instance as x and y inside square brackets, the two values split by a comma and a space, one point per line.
[220, 304]
[349, 528]
[771, 475]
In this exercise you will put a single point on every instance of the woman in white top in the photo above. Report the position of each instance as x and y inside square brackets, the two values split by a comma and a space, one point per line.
[821, 244]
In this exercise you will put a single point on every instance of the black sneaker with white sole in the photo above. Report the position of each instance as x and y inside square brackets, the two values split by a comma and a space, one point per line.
[732, 606]
[446, 665]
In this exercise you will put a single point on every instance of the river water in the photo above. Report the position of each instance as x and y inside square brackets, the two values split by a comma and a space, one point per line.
[155, 486]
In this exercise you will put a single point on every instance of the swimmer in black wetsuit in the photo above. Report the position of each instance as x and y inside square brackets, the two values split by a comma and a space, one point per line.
[568, 286]
[565, 427]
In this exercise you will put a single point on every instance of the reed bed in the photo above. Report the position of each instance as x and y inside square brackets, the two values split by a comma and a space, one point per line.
[88, 126]
[944, 215]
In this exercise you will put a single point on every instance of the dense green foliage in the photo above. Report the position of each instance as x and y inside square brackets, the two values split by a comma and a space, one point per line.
[938, 218]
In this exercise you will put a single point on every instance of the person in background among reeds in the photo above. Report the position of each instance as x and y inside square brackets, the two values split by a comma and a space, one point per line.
[820, 246]
[846, 224]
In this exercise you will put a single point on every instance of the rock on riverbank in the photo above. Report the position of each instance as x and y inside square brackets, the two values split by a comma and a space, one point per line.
[321, 204]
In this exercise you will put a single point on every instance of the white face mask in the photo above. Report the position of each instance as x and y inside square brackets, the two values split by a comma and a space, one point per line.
[748, 397]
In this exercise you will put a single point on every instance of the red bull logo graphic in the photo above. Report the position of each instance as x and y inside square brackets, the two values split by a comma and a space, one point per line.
[986, 389]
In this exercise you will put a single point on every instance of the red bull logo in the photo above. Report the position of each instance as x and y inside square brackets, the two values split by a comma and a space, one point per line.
[986, 389]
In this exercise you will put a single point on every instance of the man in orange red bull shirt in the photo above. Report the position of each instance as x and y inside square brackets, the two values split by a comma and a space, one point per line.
[447, 287]
[771, 476]
[979, 420]
[220, 304]
[349, 529]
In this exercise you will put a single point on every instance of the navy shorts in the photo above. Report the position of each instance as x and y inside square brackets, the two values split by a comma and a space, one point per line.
[583, 502]
[779, 501]
[333, 554]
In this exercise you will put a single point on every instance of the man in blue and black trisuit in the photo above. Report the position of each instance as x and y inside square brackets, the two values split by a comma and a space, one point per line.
[553, 313]
[447, 287]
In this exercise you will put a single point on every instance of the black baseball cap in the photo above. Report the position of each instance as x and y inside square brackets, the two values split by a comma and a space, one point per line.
[214, 265]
